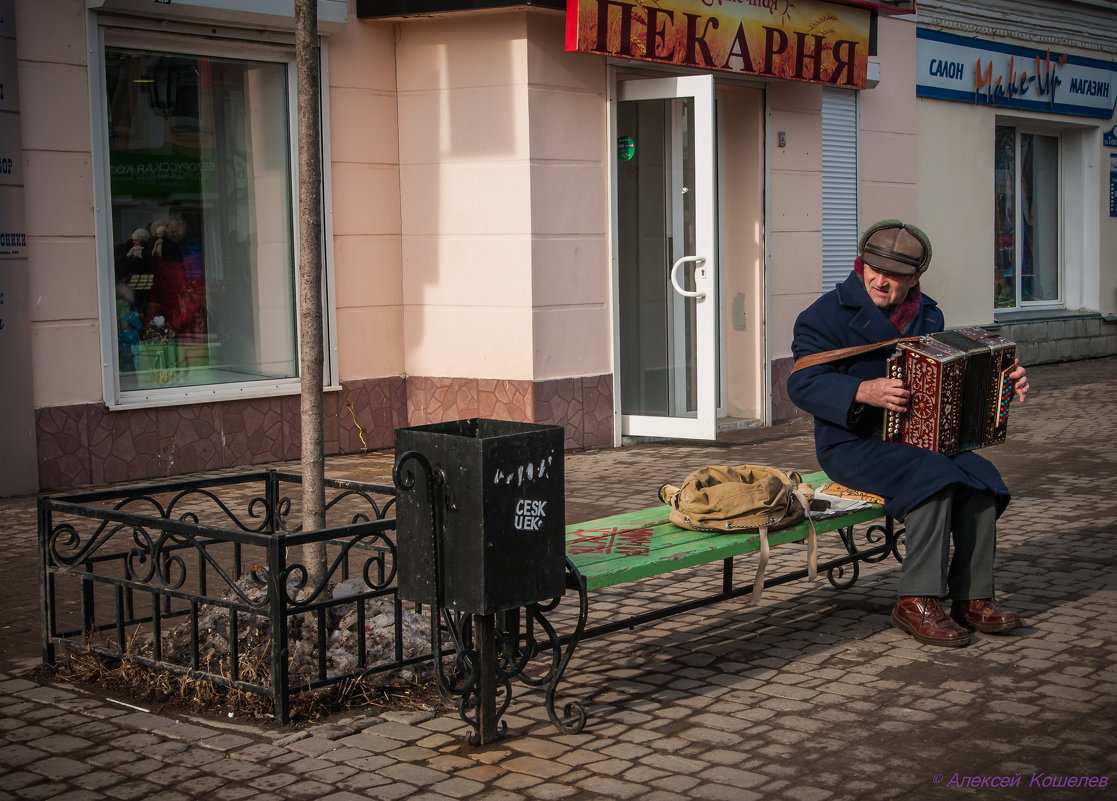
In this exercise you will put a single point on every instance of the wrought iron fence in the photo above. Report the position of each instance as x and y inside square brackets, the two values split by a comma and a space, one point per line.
[205, 578]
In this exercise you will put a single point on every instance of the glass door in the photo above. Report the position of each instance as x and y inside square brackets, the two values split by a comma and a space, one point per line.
[666, 254]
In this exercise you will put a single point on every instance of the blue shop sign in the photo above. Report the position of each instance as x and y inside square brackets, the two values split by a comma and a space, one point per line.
[951, 67]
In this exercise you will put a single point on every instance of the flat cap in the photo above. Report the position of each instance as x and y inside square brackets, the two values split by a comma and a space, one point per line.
[895, 247]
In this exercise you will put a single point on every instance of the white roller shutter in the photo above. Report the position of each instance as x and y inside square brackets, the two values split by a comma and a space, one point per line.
[839, 185]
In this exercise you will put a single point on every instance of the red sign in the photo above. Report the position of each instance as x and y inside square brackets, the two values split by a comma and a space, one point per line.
[798, 40]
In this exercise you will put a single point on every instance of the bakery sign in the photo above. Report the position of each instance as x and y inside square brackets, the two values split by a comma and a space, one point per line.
[952, 67]
[798, 40]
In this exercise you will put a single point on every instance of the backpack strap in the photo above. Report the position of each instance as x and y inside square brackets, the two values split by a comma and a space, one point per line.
[812, 538]
[762, 565]
[765, 550]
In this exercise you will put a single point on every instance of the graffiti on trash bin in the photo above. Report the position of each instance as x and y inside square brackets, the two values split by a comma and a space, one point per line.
[525, 472]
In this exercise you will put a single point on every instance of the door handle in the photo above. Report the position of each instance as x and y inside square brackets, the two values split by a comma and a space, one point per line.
[701, 271]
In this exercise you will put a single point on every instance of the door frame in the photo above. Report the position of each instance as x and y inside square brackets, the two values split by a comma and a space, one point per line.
[708, 384]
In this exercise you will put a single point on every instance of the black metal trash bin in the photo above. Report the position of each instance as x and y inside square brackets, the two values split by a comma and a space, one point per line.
[500, 487]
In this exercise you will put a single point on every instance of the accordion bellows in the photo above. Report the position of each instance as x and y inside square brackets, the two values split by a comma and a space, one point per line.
[960, 390]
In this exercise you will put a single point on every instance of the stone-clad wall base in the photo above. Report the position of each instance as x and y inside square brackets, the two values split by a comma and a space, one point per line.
[1061, 340]
[583, 405]
[88, 444]
[782, 407]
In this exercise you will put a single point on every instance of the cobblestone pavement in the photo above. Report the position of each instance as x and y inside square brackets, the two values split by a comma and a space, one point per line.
[810, 696]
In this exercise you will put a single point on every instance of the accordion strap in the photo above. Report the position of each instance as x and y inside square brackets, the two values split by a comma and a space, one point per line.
[811, 359]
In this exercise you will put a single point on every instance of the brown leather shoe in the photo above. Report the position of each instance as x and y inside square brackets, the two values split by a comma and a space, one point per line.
[984, 614]
[924, 619]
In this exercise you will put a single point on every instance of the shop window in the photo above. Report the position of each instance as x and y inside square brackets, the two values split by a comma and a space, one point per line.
[200, 213]
[1026, 231]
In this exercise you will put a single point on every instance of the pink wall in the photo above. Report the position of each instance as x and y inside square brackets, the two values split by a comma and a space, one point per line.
[888, 170]
[364, 173]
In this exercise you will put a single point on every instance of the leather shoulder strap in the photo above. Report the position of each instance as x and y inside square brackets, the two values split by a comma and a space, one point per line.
[811, 359]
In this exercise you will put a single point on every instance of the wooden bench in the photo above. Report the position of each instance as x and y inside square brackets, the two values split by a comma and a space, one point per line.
[637, 545]
[624, 548]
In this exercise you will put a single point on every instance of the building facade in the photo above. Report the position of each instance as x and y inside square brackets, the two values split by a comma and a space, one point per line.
[604, 215]
[1017, 168]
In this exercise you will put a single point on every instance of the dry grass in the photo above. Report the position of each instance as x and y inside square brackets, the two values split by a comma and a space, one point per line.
[138, 685]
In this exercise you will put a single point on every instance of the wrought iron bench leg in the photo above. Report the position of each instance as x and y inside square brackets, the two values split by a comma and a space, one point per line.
[883, 540]
[573, 717]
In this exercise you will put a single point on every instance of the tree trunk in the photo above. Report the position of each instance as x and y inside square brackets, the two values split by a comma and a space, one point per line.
[310, 281]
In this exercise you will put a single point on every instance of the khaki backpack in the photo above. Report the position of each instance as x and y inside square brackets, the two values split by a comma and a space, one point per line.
[740, 499]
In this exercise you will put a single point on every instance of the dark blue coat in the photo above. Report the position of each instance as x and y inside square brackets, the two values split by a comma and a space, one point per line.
[847, 435]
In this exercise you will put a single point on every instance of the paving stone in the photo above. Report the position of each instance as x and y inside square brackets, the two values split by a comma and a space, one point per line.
[315, 746]
[333, 774]
[237, 769]
[26, 733]
[85, 795]
[36, 792]
[709, 736]
[371, 763]
[18, 755]
[305, 764]
[10, 685]
[272, 781]
[345, 755]
[732, 776]
[132, 789]
[366, 741]
[305, 788]
[14, 780]
[516, 781]
[259, 751]
[58, 768]
[234, 793]
[605, 787]
[363, 780]
[413, 774]
[397, 731]
[45, 694]
[458, 787]
[730, 701]
[548, 791]
[166, 727]
[391, 791]
[225, 742]
[722, 792]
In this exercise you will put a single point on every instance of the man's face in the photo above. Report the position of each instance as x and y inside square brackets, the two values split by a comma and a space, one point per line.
[888, 290]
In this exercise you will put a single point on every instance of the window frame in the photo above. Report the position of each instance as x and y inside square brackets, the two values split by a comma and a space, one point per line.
[114, 32]
[1022, 127]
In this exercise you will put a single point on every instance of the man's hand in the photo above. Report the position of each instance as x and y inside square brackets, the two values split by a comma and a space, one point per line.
[887, 393]
[1021, 385]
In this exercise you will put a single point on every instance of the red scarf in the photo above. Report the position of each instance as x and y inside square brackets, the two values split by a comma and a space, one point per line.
[903, 315]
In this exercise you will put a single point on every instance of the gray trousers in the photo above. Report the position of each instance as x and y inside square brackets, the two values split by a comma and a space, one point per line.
[928, 569]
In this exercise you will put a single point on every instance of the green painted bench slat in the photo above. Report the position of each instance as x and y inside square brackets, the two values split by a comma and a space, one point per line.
[635, 545]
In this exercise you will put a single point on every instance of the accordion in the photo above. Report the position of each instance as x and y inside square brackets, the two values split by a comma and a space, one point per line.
[960, 390]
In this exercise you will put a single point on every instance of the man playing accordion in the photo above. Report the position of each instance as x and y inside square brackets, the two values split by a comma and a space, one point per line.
[934, 495]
